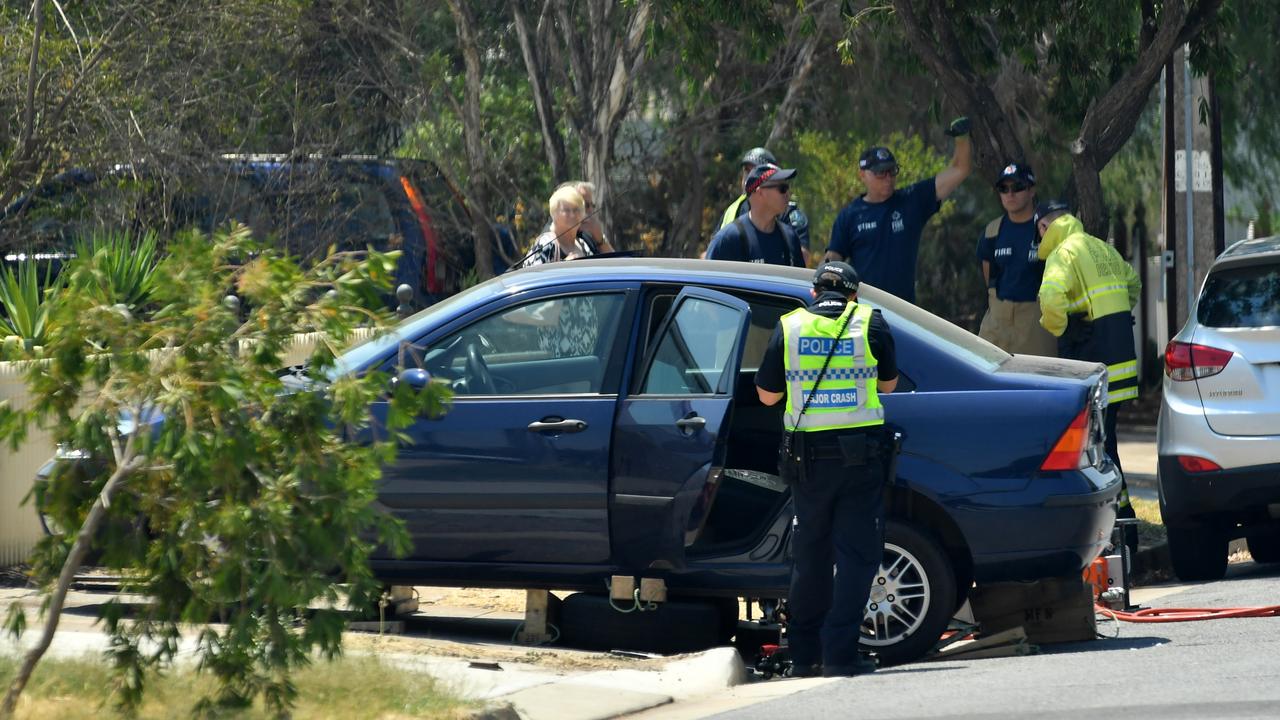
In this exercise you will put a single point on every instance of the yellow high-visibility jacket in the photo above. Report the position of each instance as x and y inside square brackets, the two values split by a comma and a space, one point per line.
[1082, 274]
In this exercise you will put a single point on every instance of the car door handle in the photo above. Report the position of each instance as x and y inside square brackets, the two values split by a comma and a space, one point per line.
[691, 423]
[551, 425]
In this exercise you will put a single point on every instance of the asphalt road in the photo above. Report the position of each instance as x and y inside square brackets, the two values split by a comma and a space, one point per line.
[1213, 669]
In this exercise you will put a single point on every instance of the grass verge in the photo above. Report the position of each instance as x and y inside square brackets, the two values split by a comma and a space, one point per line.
[353, 687]
[1150, 525]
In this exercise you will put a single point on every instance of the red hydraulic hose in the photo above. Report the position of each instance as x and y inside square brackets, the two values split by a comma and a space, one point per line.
[1163, 615]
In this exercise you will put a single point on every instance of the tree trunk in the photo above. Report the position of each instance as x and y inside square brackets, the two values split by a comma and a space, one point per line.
[59, 597]
[604, 67]
[473, 134]
[536, 66]
[994, 141]
[1084, 193]
[825, 16]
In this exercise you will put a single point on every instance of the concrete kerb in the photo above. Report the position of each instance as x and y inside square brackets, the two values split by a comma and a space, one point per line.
[613, 693]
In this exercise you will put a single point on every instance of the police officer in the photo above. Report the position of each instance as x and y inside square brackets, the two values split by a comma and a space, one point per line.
[836, 463]
[792, 216]
[1086, 298]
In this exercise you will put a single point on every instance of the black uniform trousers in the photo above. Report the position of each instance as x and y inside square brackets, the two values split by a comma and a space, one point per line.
[839, 518]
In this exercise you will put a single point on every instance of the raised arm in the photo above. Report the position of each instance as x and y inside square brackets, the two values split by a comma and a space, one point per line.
[961, 160]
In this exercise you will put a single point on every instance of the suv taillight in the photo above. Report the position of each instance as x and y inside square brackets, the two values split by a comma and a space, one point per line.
[1068, 452]
[1187, 361]
[1196, 464]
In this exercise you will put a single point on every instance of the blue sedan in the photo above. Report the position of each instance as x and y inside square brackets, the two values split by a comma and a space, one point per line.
[605, 422]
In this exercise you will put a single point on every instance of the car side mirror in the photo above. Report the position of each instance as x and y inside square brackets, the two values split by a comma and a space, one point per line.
[416, 378]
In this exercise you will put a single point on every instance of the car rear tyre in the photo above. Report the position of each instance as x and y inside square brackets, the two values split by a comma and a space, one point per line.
[912, 597]
[1265, 549]
[1198, 553]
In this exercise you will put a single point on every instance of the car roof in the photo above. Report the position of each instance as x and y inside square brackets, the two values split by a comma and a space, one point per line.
[747, 276]
[1250, 252]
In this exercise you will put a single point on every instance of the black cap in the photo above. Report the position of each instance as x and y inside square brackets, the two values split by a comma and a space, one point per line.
[877, 158]
[845, 277]
[759, 156]
[1018, 172]
[766, 174]
[1049, 207]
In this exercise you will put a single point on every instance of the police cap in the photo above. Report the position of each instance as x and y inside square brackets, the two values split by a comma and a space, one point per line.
[836, 276]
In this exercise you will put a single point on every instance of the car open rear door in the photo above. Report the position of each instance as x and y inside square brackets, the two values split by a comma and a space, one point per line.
[670, 434]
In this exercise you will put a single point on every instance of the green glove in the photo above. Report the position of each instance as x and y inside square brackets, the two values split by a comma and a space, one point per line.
[959, 127]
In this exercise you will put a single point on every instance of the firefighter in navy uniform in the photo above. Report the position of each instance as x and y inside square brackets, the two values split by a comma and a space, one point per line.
[829, 363]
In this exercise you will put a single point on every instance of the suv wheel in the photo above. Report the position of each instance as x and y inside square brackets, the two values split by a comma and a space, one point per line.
[1198, 553]
[912, 597]
[1265, 548]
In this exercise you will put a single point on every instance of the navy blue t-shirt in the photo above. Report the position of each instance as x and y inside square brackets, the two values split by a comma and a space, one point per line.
[770, 247]
[882, 240]
[1015, 269]
[792, 216]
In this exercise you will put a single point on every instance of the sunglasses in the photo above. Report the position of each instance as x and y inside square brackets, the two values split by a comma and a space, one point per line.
[1013, 188]
[783, 188]
[891, 172]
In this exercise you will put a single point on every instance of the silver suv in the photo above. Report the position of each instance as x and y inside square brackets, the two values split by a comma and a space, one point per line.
[1218, 438]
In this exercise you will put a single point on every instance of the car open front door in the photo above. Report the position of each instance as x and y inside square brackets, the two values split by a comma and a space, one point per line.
[670, 434]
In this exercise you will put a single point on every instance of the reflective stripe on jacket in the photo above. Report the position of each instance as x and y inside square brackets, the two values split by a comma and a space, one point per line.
[846, 397]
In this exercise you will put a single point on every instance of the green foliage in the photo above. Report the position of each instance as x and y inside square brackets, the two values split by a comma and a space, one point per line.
[125, 269]
[244, 495]
[27, 299]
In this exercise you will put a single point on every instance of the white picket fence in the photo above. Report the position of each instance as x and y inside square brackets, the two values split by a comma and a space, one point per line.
[19, 525]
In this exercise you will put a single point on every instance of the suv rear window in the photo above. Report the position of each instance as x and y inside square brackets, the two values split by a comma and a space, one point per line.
[1241, 297]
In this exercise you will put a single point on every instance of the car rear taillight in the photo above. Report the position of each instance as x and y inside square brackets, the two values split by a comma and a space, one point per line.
[1187, 361]
[1069, 452]
[434, 284]
[1195, 464]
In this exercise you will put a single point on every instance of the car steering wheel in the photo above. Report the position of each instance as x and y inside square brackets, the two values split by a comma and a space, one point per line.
[479, 379]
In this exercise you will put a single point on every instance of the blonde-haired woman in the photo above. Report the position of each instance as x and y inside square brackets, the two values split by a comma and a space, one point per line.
[566, 239]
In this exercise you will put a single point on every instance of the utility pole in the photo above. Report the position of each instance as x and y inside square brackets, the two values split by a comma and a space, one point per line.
[1192, 212]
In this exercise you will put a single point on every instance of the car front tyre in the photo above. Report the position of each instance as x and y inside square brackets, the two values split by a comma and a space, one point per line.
[912, 597]
[1198, 553]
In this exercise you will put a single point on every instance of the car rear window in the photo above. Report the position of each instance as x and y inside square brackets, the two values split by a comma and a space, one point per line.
[948, 338]
[1241, 297]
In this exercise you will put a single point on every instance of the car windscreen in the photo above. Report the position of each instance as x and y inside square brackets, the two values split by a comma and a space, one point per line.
[376, 349]
[1241, 297]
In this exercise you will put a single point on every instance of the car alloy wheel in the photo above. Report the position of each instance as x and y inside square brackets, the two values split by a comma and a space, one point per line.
[911, 598]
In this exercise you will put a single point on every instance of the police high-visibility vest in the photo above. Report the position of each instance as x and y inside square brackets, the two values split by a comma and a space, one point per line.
[846, 397]
[731, 212]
